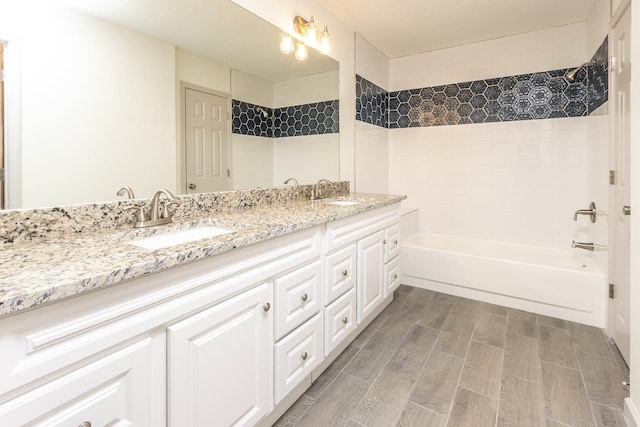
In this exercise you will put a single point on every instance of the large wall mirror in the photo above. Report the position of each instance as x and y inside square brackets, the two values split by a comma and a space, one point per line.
[187, 95]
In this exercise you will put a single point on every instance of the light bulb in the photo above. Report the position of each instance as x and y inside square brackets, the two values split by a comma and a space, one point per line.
[325, 45]
[286, 44]
[311, 36]
[301, 51]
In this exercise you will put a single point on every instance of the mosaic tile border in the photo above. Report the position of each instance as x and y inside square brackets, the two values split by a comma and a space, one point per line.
[372, 103]
[598, 77]
[316, 118]
[532, 96]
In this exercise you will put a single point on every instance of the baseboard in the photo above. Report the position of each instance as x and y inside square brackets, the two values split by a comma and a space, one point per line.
[504, 300]
[631, 414]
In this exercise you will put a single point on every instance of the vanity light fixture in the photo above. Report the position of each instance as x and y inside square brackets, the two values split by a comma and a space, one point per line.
[286, 44]
[306, 34]
[302, 52]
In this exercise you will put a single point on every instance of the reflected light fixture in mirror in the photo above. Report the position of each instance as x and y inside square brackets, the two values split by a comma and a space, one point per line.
[302, 52]
[307, 35]
[286, 44]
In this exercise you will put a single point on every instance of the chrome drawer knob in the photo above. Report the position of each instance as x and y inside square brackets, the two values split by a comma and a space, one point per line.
[84, 424]
[304, 297]
[345, 273]
[304, 356]
[395, 276]
[266, 307]
[384, 242]
[395, 242]
[345, 320]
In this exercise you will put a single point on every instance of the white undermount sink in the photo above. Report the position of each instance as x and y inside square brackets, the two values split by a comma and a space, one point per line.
[178, 237]
[341, 202]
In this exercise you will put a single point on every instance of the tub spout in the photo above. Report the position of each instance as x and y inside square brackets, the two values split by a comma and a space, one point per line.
[582, 245]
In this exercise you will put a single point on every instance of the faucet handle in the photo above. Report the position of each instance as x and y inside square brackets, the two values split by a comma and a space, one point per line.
[140, 217]
[165, 208]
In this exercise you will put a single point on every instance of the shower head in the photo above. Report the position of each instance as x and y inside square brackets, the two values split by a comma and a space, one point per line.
[264, 112]
[571, 75]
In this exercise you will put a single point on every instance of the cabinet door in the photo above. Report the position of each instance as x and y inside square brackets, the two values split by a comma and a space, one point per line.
[339, 321]
[221, 363]
[370, 271]
[122, 389]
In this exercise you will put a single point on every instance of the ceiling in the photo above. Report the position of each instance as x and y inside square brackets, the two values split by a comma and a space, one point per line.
[216, 29]
[408, 27]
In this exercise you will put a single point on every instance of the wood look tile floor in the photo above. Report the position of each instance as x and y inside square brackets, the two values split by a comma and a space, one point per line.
[432, 359]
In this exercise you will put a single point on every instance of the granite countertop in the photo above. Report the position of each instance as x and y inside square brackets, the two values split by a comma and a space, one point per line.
[35, 273]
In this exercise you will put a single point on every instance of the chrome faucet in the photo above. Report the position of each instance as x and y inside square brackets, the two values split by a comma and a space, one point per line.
[126, 190]
[157, 216]
[295, 181]
[591, 212]
[316, 191]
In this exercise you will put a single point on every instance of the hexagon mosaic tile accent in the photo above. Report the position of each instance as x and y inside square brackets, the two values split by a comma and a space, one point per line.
[542, 95]
[316, 118]
[523, 97]
[371, 102]
[598, 77]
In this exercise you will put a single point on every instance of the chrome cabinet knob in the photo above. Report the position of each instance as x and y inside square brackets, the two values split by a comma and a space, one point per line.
[345, 273]
[304, 356]
[84, 424]
[304, 297]
[626, 210]
[266, 307]
[384, 242]
[395, 242]
[192, 186]
[395, 276]
[345, 320]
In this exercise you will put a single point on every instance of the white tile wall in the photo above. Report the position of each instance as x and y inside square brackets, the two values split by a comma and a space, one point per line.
[518, 182]
[556, 48]
[372, 158]
[252, 161]
[306, 158]
[371, 63]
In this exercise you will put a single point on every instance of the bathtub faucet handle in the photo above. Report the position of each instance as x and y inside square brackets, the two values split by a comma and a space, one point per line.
[592, 212]
[583, 245]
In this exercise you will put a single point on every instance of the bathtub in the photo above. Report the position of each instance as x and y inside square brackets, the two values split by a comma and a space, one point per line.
[553, 282]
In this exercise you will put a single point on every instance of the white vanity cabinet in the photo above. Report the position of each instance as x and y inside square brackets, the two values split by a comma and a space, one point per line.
[228, 340]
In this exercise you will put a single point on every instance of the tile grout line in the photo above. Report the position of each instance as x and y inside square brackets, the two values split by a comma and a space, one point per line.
[461, 371]
[504, 354]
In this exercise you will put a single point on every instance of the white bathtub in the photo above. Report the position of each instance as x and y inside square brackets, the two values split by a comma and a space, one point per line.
[558, 283]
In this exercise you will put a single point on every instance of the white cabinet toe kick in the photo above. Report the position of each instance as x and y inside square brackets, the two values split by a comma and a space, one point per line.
[234, 338]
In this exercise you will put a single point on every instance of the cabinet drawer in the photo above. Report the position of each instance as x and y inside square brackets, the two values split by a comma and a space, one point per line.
[297, 355]
[339, 320]
[391, 276]
[124, 388]
[392, 245]
[297, 297]
[339, 273]
[348, 230]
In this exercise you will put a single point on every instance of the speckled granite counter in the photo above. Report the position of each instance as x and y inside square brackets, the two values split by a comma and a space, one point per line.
[38, 272]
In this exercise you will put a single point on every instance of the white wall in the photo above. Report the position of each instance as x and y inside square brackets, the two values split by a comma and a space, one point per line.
[251, 89]
[597, 25]
[74, 103]
[281, 13]
[371, 142]
[191, 68]
[304, 90]
[251, 161]
[561, 47]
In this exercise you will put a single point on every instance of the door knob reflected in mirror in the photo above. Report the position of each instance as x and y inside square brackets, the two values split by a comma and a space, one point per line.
[626, 210]
[192, 186]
